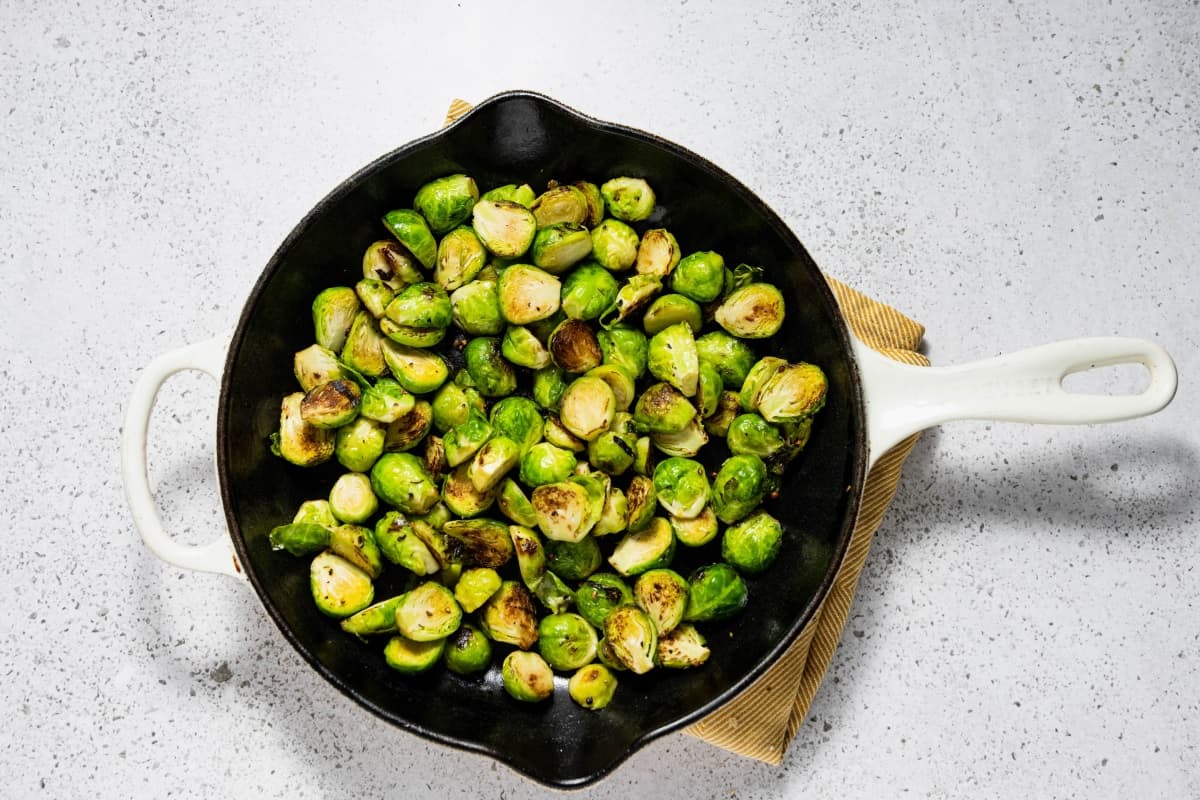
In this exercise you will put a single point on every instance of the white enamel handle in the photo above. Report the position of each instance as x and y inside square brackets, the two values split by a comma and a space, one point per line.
[1026, 386]
[217, 556]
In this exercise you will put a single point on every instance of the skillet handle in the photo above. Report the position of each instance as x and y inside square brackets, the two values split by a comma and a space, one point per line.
[217, 556]
[1025, 386]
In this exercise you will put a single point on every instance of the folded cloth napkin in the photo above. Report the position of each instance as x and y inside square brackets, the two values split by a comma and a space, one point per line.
[762, 720]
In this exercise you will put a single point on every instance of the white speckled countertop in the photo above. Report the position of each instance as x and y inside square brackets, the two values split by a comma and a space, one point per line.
[1007, 173]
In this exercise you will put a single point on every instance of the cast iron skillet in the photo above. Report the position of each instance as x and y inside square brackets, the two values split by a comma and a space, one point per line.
[525, 137]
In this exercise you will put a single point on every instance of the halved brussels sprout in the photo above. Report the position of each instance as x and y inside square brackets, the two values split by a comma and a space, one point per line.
[351, 498]
[400, 479]
[527, 677]
[509, 616]
[389, 262]
[728, 409]
[332, 404]
[588, 407]
[697, 531]
[410, 658]
[672, 309]
[467, 651]
[517, 418]
[475, 586]
[574, 561]
[700, 276]
[592, 686]
[479, 542]
[411, 230]
[463, 441]
[687, 442]
[595, 202]
[631, 638]
[410, 336]
[363, 350]
[493, 461]
[574, 347]
[418, 371]
[715, 592]
[475, 307]
[651, 547]
[359, 444]
[708, 389]
[559, 247]
[645, 456]
[399, 544]
[663, 595]
[752, 544]
[460, 495]
[731, 357]
[453, 403]
[357, 545]
[754, 311]
[522, 194]
[624, 347]
[793, 393]
[435, 456]
[427, 613]
[421, 305]
[682, 486]
[750, 433]
[315, 365]
[374, 295]
[338, 587]
[612, 452]
[597, 596]
[636, 293]
[560, 204]
[297, 441]
[672, 358]
[549, 384]
[662, 409]
[682, 648]
[606, 656]
[515, 505]
[739, 487]
[553, 593]
[642, 501]
[557, 435]
[385, 401]
[614, 245]
[562, 510]
[460, 257]
[407, 432]
[493, 376]
[446, 202]
[588, 291]
[524, 349]
[376, 618]
[615, 517]
[528, 294]
[619, 380]
[333, 312]
[757, 379]
[546, 463]
[505, 228]
[300, 538]
[658, 253]
[628, 199]
[566, 641]
[596, 484]
[315, 512]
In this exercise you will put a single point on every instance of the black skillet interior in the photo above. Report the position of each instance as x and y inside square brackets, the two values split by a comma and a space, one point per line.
[524, 137]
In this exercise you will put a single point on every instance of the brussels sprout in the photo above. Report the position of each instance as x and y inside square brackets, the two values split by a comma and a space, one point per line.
[446, 202]
[509, 616]
[435, 517]
[588, 407]
[757, 379]
[374, 296]
[333, 312]
[452, 405]
[467, 651]
[531, 554]
[573, 346]
[493, 461]
[549, 384]
[614, 245]
[715, 592]
[513, 193]
[700, 276]
[739, 276]
[754, 311]
[315, 512]
[518, 418]
[460, 495]
[316, 365]
[752, 544]
[407, 432]
[418, 371]
[391, 263]
[592, 686]
[562, 510]
[606, 656]
[398, 543]
[475, 586]
[463, 441]
[636, 293]
[597, 596]
[650, 548]
[553, 593]
[528, 294]
[298, 442]
[682, 648]
[560, 204]
[672, 358]
[596, 484]
[546, 463]
[434, 540]
[363, 350]
[662, 409]
[795, 392]
[574, 560]
[527, 677]
[595, 202]
[385, 401]
[628, 199]
[410, 336]
[624, 347]
[493, 376]
[515, 505]
[631, 638]
[338, 587]
[613, 451]
[411, 230]
[475, 307]
[427, 613]
[728, 408]
[351, 498]
[557, 434]
[331, 404]
[559, 247]
[731, 357]
[400, 480]
[566, 641]
[479, 542]
[505, 228]
[410, 658]
[376, 618]
[682, 486]
[615, 515]
[739, 487]
[750, 433]
[588, 291]
[435, 456]
[663, 595]
[645, 456]
[642, 502]
[524, 349]
[300, 538]
[708, 389]
[421, 305]
[658, 253]
[671, 309]
[460, 257]
[687, 442]
[697, 531]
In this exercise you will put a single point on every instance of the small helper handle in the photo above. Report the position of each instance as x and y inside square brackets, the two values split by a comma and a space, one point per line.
[1025, 386]
[217, 556]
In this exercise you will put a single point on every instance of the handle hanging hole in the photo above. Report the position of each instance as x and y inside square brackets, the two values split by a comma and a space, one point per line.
[1113, 380]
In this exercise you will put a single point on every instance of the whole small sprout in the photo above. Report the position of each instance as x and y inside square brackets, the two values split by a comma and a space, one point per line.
[400, 480]
[739, 487]
[519, 419]
[752, 544]
[549, 385]
[421, 305]
[493, 376]
[624, 347]
[671, 357]
[566, 641]
[700, 276]
[628, 199]
[386, 401]
[475, 586]
[614, 245]
[592, 686]
[446, 202]
[374, 295]
[544, 463]
[682, 486]
[333, 312]
[750, 433]
[588, 291]
[730, 356]
[574, 561]
[715, 592]
[467, 651]
[663, 409]
[522, 348]
[475, 307]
